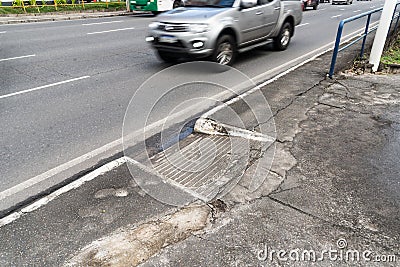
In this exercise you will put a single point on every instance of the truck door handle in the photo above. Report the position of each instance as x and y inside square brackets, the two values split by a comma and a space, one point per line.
[259, 13]
[277, 8]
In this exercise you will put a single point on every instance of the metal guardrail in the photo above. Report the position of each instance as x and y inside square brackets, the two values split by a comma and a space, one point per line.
[363, 36]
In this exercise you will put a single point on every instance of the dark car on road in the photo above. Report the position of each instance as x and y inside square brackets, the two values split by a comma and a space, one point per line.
[310, 3]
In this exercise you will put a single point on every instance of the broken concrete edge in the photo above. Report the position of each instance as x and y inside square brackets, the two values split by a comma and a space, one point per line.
[212, 127]
[132, 246]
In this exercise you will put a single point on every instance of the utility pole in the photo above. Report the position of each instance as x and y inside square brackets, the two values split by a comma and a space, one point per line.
[381, 33]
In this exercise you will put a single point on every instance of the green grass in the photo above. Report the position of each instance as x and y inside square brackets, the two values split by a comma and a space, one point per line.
[114, 6]
[392, 55]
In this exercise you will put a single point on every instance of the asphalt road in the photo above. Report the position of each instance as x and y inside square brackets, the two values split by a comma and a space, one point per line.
[65, 86]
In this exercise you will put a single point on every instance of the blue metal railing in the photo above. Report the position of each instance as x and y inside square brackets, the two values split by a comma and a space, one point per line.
[363, 36]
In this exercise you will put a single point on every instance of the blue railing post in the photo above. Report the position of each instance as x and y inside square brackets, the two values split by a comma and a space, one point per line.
[391, 22]
[365, 36]
[336, 49]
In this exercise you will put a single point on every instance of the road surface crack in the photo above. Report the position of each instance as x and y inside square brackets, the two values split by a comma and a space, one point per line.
[296, 209]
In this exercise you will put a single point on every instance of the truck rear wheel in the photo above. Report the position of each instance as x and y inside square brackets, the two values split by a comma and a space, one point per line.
[225, 50]
[281, 42]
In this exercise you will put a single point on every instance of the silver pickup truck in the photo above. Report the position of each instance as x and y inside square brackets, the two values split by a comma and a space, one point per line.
[219, 29]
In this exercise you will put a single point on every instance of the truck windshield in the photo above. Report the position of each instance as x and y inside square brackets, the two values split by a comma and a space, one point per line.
[209, 3]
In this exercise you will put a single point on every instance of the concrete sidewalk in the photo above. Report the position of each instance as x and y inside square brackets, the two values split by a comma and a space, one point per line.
[42, 17]
[330, 199]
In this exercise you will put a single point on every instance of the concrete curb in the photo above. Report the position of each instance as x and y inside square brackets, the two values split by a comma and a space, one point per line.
[22, 18]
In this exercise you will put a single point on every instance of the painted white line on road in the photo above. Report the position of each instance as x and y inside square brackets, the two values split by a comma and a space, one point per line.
[116, 30]
[322, 9]
[41, 87]
[355, 11]
[336, 16]
[50, 173]
[150, 129]
[12, 58]
[304, 24]
[75, 184]
[3, 32]
[99, 23]
[342, 9]
[372, 6]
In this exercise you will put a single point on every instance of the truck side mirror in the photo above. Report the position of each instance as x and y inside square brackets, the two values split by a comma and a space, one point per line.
[248, 3]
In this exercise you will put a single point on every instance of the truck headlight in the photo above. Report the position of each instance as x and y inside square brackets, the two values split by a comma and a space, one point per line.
[154, 25]
[198, 28]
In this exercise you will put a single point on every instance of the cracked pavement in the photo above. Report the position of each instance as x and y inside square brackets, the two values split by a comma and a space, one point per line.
[334, 178]
[332, 188]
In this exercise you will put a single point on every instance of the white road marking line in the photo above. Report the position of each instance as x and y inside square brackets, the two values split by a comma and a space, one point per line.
[372, 6]
[116, 30]
[150, 129]
[3, 32]
[342, 9]
[12, 58]
[304, 24]
[12, 217]
[50, 173]
[41, 87]
[323, 9]
[99, 23]
[336, 16]
[75, 184]
[355, 11]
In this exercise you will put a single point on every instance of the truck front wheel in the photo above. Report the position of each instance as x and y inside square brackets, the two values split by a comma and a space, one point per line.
[225, 50]
[281, 42]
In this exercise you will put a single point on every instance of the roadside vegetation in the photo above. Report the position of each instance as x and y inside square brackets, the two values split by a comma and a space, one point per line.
[390, 60]
[392, 54]
[34, 6]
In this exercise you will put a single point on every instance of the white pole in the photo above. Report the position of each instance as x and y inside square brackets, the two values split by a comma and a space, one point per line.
[381, 33]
